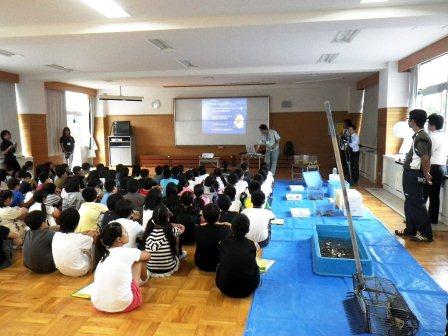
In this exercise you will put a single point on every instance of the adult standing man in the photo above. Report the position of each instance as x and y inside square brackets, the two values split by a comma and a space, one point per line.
[354, 154]
[439, 154]
[344, 139]
[415, 174]
[270, 139]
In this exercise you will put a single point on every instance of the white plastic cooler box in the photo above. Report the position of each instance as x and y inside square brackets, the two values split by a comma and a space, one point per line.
[354, 199]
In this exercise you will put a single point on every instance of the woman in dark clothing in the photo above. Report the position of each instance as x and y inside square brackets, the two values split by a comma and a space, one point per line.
[208, 237]
[238, 274]
[67, 145]
[8, 148]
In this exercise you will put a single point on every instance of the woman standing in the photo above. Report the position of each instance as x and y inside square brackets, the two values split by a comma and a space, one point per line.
[67, 145]
[8, 149]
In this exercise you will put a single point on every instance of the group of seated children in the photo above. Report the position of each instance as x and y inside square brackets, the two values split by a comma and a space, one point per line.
[127, 229]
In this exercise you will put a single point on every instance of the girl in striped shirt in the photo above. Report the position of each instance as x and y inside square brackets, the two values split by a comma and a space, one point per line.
[162, 242]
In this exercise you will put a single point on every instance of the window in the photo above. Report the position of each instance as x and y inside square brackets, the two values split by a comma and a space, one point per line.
[433, 87]
[78, 120]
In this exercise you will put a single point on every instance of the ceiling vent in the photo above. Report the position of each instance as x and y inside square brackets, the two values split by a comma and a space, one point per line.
[286, 104]
[345, 36]
[160, 44]
[186, 64]
[120, 97]
[59, 67]
[327, 58]
[8, 53]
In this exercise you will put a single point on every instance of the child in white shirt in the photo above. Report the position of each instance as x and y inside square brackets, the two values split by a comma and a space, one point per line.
[40, 197]
[119, 271]
[72, 252]
[260, 220]
[12, 217]
[124, 211]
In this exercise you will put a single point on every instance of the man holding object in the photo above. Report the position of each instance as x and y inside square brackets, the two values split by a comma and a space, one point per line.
[270, 139]
[415, 175]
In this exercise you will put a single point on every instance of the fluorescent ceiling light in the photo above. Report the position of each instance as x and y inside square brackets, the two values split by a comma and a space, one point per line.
[319, 80]
[109, 8]
[160, 44]
[373, 1]
[59, 67]
[9, 53]
[327, 58]
[185, 63]
[345, 36]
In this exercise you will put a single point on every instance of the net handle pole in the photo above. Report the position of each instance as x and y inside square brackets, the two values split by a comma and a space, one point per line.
[344, 192]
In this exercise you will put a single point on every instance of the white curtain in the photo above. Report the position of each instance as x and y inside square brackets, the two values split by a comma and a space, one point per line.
[413, 88]
[93, 145]
[9, 119]
[56, 119]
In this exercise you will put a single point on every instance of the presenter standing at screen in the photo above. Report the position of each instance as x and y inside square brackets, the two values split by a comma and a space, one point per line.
[270, 139]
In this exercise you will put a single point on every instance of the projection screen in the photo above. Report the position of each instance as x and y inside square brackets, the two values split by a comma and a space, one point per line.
[219, 121]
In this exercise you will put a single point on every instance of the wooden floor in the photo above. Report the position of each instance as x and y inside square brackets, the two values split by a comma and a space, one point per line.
[188, 303]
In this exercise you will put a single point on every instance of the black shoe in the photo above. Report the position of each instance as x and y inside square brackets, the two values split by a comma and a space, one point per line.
[421, 239]
[403, 233]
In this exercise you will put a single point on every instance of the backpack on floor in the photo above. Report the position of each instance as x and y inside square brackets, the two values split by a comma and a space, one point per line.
[288, 149]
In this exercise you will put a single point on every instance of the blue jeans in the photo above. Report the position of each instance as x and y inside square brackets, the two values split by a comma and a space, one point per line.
[271, 158]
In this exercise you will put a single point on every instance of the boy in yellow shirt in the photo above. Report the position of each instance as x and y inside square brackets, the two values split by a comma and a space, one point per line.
[90, 212]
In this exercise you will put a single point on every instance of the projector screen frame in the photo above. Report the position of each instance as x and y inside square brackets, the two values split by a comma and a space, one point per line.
[216, 97]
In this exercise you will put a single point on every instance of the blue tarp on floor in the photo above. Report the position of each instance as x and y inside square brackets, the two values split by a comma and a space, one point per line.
[292, 300]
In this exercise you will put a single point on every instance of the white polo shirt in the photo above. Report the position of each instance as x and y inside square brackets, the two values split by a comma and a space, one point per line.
[269, 140]
[439, 149]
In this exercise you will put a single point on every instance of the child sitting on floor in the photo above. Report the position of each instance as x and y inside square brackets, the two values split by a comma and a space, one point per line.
[236, 203]
[40, 197]
[208, 236]
[124, 211]
[110, 214]
[90, 211]
[17, 197]
[260, 220]
[160, 237]
[152, 201]
[200, 200]
[8, 240]
[187, 215]
[119, 271]
[224, 204]
[71, 196]
[72, 251]
[12, 217]
[37, 253]
[238, 274]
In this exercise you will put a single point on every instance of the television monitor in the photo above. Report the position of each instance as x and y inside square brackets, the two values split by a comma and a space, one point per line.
[121, 128]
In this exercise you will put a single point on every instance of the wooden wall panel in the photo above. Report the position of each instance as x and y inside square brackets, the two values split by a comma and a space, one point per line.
[368, 81]
[435, 49]
[387, 143]
[33, 128]
[70, 87]
[154, 135]
[9, 77]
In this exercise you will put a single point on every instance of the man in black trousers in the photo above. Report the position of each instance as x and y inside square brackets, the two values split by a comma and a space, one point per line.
[439, 153]
[415, 175]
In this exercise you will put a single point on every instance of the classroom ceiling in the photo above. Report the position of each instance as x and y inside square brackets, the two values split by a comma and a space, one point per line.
[236, 39]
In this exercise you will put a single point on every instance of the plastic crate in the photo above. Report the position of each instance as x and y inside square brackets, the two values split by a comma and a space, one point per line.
[334, 185]
[341, 267]
[325, 207]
